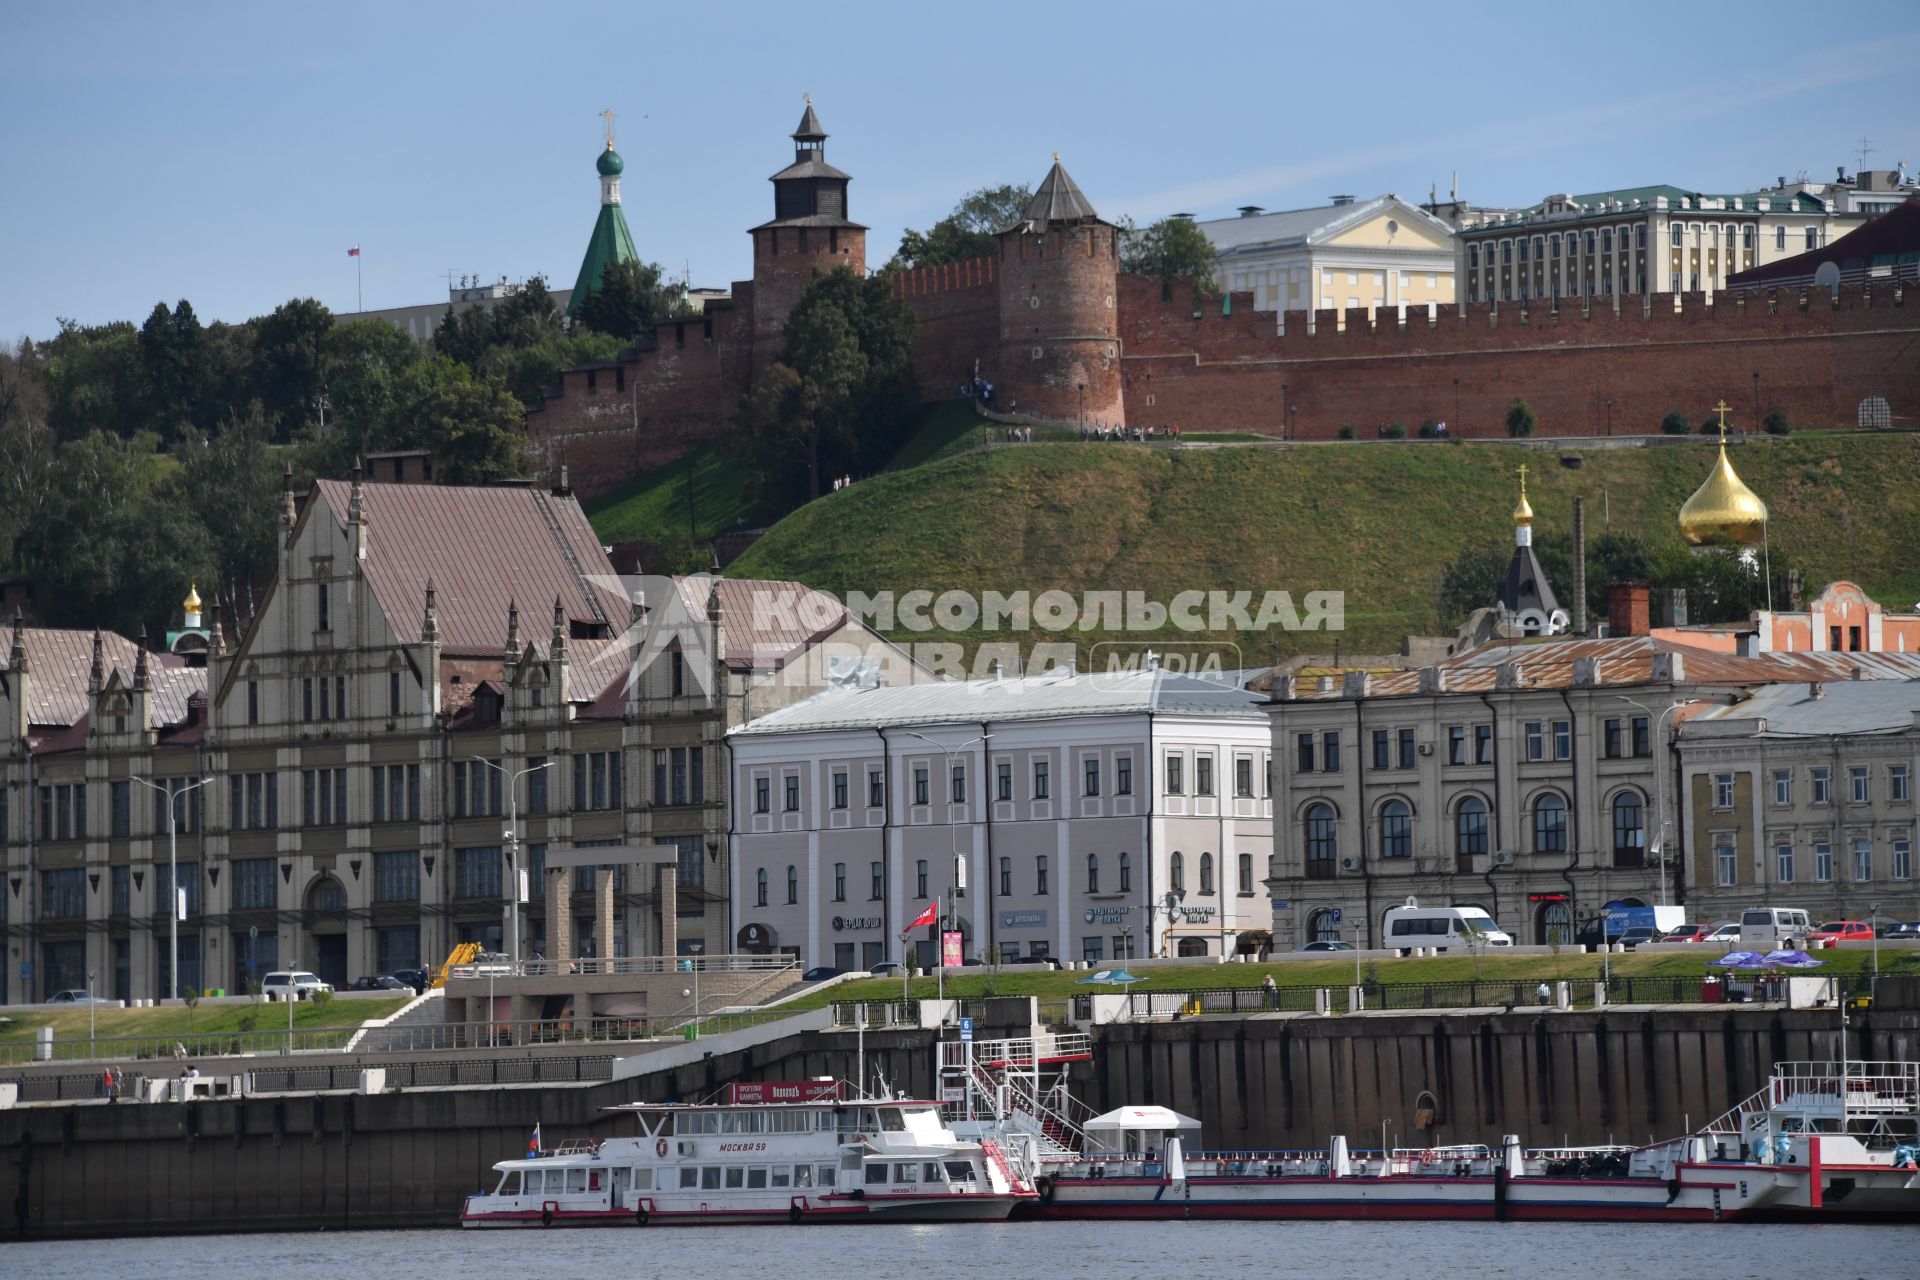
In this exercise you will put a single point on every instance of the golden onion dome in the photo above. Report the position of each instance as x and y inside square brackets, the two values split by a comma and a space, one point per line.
[192, 603]
[1523, 510]
[1723, 512]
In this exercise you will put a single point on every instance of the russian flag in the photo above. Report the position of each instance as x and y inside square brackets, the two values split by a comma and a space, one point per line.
[354, 252]
[533, 1143]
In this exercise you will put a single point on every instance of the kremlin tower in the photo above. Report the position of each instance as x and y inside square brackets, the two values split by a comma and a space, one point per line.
[611, 241]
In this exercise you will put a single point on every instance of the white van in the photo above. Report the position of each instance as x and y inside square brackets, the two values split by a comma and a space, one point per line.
[1443, 928]
[294, 984]
[1771, 927]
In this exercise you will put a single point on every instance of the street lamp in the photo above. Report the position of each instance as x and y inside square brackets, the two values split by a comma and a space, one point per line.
[510, 910]
[1456, 405]
[1659, 791]
[959, 866]
[1170, 904]
[1609, 415]
[1293, 422]
[1285, 400]
[93, 1050]
[173, 795]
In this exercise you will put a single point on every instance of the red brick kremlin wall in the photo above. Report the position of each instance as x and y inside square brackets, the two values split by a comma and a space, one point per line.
[1816, 358]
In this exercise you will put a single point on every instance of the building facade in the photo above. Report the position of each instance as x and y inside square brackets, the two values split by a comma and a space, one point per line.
[1802, 796]
[442, 685]
[1078, 817]
[1371, 254]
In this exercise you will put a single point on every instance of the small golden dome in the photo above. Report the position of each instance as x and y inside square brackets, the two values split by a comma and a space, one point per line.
[1523, 510]
[192, 603]
[1723, 512]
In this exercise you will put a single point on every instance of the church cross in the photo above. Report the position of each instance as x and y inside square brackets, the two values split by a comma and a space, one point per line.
[1523, 477]
[607, 115]
[1723, 408]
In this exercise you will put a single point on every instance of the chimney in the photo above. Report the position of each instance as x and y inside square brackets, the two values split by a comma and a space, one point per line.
[1341, 200]
[1586, 672]
[565, 488]
[1627, 609]
[1355, 684]
[1251, 211]
[1287, 688]
[1579, 566]
[1815, 689]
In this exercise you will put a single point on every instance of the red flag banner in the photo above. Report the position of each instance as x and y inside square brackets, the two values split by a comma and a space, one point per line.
[928, 916]
[354, 252]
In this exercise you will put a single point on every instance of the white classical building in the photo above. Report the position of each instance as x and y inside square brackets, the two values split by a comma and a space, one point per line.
[1080, 817]
[1383, 252]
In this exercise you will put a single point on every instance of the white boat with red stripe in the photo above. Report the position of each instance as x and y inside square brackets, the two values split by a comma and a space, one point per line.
[776, 1151]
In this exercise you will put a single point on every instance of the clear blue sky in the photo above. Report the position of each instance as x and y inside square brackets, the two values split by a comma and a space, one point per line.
[230, 154]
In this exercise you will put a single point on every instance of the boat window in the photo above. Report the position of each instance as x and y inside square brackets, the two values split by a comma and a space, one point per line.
[826, 1175]
[593, 1179]
[892, 1121]
[736, 1177]
[930, 1172]
[509, 1184]
[757, 1176]
[782, 1175]
[823, 1120]
[876, 1173]
[643, 1179]
[802, 1175]
[710, 1178]
[959, 1171]
[689, 1176]
[906, 1172]
[576, 1179]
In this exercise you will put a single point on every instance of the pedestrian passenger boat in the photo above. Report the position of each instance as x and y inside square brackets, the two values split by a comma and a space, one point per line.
[790, 1152]
[1821, 1142]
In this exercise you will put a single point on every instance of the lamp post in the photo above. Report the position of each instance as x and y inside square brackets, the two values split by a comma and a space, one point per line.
[93, 1049]
[1456, 404]
[510, 910]
[1293, 422]
[1756, 400]
[1659, 790]
[1083, 403]
[1873, 923]
[959, 866]
[1169, 904]
[1285, 400]
[173, 795]
[1609, 415]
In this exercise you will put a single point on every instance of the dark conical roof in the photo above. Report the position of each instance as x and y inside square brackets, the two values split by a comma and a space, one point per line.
[1526, 586]
[1059, 199]
[809, 130]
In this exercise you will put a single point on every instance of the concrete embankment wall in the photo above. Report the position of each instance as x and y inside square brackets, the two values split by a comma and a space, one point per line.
[1268, 1081]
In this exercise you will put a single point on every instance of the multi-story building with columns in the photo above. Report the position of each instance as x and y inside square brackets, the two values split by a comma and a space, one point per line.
[1803, 796]
[438, 676]
[1077, 817]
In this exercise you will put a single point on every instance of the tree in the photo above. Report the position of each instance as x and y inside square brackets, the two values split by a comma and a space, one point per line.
[1520, 419]
[1676, 424]
[473, 426]
[630, 299]
[26, 446]
[232, 482]
[1776, 423]
[173, 360]
[93, 379]
[972, 230]
[1168, 250]
[290, 371]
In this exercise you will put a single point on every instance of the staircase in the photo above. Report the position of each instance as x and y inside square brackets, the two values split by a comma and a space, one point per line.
[397, 1033]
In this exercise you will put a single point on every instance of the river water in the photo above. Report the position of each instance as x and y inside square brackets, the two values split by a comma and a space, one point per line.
[1054, 1250]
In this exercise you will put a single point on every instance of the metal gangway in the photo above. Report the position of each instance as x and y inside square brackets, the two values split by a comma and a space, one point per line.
[1018, 1086]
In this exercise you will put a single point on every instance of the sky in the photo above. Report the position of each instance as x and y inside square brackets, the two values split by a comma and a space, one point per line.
[230, 154]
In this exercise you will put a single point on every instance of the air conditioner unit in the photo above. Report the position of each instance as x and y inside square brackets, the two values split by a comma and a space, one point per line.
[1426, 748]
[1503, 857]
[1349, 863]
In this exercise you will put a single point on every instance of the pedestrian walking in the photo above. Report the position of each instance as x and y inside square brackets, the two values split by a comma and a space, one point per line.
[1272, 991]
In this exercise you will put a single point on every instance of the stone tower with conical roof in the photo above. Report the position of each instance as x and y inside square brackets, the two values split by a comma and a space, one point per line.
[809, 232]
[1059, 323]
[611, 241]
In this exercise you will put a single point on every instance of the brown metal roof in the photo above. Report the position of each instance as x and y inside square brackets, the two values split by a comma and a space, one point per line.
[59, 662]
[484, 549]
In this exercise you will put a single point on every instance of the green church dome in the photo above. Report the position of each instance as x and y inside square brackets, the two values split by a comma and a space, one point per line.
[610, 164]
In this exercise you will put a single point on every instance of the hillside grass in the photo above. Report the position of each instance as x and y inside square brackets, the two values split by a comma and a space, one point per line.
[178, 1020]
[654, 505]
[1378, 522]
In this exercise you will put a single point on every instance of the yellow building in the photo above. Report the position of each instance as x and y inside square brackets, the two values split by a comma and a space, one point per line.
[1382, 252]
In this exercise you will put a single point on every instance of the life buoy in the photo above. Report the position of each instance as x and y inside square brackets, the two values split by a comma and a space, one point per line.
[640, 1216]
[546, 1216]
[1044, 1185]
[795, 1212]
[1426, 1157]
[660, 1147]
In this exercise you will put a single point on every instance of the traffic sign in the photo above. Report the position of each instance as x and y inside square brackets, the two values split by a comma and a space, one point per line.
[1333, 913]
[966, 1031]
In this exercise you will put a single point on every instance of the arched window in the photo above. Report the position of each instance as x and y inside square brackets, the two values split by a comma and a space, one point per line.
[1177, 872]
[1323, 841]
[1206, 874]
[1550, 824]
[760, 887]
[1193, 946]
[327, 895]
[1470, 827]
[1323, 926]
[1554, 925]
[1629, 830]
[1396, 830]
[1126, 872]
[793, 884]
[1093, 873]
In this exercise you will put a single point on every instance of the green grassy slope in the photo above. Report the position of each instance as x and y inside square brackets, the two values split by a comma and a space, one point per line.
[1378, 522]
[655, 504]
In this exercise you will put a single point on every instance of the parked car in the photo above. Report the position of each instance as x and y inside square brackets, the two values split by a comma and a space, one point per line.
[1327, 946]
[1047, 961]
[1883, 926]
[75, 997]
[415, 978]
[383, 983]
[1842, 931]
[1688, 933]
[820, 973]
[888, 969]
[293, 984]
[1723, 931]
[1903, 932]
[1632, 938]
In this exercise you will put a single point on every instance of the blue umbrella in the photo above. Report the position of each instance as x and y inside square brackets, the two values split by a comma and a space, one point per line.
[1792, 960]
[1108, 976]
[1739, 960]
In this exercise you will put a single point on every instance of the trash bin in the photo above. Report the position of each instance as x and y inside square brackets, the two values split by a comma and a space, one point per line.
[1713, 991]
[691, 1031]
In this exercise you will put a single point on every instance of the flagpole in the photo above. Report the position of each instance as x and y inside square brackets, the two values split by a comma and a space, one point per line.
[359, 290]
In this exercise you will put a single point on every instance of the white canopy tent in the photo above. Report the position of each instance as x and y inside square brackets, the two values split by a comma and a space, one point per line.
[1139, 1129]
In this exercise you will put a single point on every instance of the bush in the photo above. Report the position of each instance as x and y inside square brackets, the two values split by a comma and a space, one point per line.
[1429, 429]
[1346, 431]
[1521, 419]
[1776, 424]
[1394, 431]
[1677, 424]
[1711, 427]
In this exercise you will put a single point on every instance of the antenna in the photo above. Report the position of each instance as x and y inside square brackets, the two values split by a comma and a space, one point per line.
[1864, 150]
